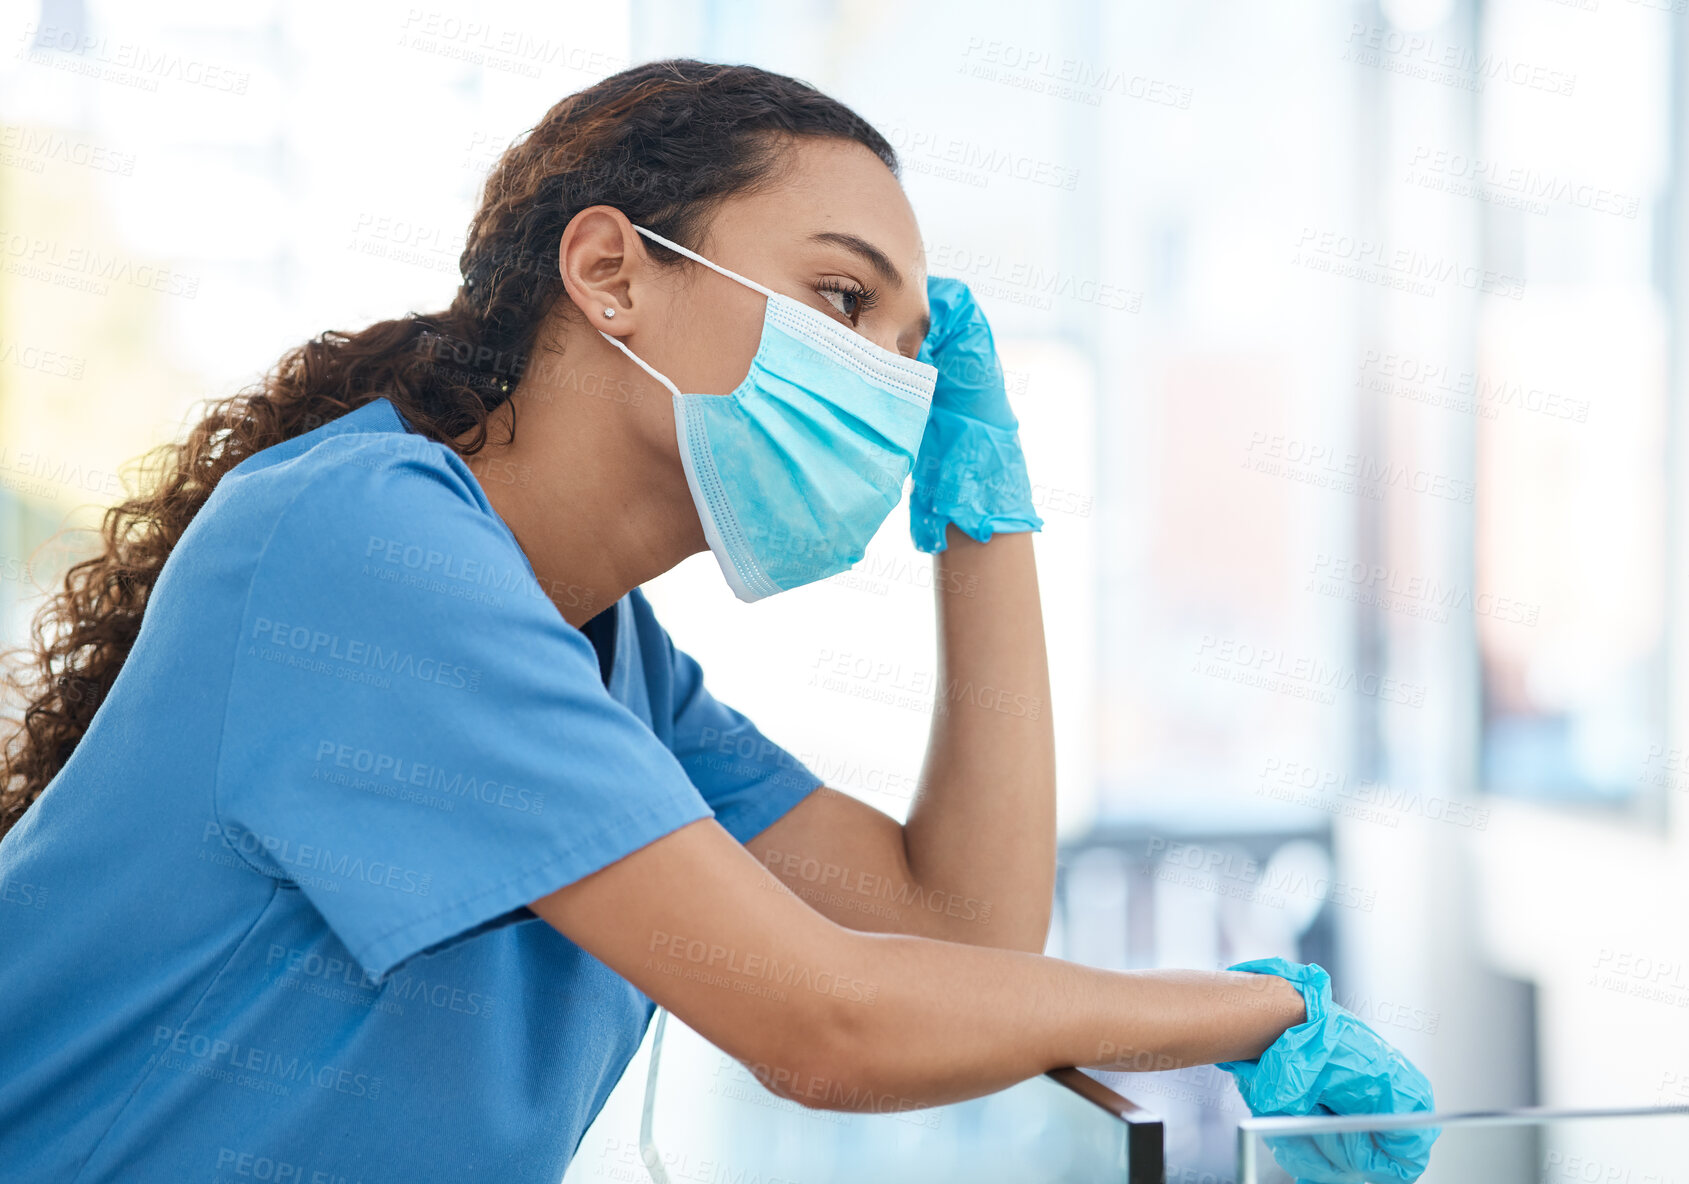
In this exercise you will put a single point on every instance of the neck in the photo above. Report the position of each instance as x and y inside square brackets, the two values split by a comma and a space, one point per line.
[591, 486]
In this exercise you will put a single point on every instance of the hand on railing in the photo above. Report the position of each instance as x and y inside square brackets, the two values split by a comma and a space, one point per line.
[1333, 1063]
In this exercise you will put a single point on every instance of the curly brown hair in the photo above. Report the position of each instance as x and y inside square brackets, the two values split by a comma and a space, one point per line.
[664, 142]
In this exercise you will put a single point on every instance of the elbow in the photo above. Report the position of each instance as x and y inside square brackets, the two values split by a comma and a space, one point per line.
[826, 1063]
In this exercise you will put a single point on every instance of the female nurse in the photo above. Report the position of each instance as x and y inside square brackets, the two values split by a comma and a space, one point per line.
[363, 810]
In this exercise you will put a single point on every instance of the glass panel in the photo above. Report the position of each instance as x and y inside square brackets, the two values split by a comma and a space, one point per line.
[1508, 1147]
[707, 1118]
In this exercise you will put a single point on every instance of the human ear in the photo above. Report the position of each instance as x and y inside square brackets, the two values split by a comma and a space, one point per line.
[604, 267]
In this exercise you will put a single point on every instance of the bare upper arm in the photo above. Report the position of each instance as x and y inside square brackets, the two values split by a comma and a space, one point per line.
[848, 861]
[840, 856]
[699, 925]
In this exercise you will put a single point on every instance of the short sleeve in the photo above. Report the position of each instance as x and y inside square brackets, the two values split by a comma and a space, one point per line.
[414, 734]
[748, 780]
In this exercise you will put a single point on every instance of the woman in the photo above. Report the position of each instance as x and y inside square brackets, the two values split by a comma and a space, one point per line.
[368, 807]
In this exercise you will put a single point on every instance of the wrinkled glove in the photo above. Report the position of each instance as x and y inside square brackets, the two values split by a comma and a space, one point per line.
[969, 469]
[1353, 1157]
[1332, 1063]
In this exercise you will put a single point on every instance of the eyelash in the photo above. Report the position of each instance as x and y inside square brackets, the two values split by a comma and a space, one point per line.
[866, 298]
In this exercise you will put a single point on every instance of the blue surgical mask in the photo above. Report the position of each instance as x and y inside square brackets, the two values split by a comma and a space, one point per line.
[795, 470]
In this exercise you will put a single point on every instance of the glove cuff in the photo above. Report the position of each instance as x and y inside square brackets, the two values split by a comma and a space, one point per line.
[1288, 1076]
[972, 474]
[928, 529]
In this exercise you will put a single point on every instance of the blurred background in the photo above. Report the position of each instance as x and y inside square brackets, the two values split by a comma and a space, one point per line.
[1347, 345]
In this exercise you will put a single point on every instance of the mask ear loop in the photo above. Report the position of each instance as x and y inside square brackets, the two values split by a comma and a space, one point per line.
[641, 363]
[697, 258]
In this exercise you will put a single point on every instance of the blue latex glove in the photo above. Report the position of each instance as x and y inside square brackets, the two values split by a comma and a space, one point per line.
[1332, 1063]
[1353, 1157]
[969, 469]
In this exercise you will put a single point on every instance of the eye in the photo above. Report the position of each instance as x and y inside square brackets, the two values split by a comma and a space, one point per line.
[850, 298]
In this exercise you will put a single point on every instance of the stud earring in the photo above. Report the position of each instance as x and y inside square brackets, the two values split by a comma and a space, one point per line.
[608, 313]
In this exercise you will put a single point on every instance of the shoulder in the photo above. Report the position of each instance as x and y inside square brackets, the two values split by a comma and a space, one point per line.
[362, 464]
[353, 521]
[361, 470]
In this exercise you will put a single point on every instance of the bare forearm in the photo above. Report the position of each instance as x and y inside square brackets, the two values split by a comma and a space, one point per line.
[951, 1021]
[837, 1017]
[982, 825]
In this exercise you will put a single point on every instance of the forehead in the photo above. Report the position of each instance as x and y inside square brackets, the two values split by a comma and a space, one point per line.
[829, 186]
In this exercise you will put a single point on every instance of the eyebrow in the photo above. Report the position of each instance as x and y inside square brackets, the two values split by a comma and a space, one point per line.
[871, 255]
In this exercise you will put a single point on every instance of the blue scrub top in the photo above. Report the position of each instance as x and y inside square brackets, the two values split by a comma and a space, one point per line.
[269, 920]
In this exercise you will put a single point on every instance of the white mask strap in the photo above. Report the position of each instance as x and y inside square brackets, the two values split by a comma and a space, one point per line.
[641, 363]
[693, 255]
[697, 258]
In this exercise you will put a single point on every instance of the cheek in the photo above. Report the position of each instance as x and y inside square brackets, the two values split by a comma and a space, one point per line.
[713, 343]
